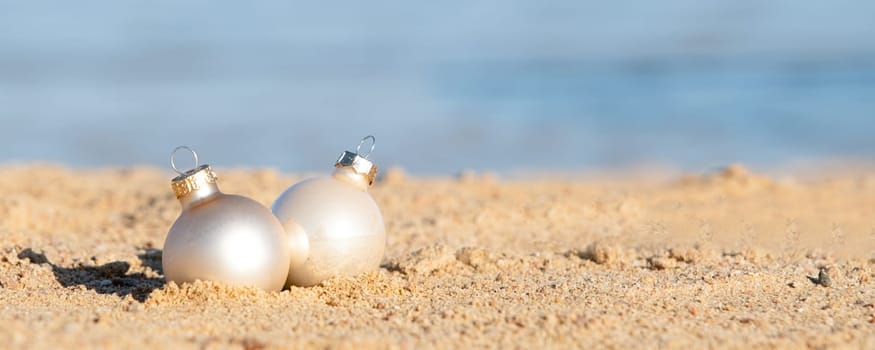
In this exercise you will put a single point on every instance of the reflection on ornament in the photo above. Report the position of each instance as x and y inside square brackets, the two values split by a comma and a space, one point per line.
[222, 238]
[334, 225]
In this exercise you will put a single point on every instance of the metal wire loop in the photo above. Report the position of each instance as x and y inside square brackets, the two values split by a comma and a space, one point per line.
[362, 142]
[173, 160]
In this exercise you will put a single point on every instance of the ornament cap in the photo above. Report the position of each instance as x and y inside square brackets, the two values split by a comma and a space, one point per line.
[193, 180]
[200, 180]
[359, 164]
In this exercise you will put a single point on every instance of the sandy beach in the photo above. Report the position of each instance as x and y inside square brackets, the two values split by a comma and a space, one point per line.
[728, 259]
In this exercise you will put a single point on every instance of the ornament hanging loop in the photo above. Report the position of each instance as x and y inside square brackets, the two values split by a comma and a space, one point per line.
[173, 158]
[362, 142]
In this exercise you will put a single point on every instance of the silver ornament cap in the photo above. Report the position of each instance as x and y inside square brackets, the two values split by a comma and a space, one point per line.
[359, 164]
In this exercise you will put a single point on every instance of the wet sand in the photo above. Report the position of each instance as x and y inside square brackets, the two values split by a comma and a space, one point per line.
[729, 259]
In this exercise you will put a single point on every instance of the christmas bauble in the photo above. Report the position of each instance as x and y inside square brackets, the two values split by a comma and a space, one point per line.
[223, 238]
[335, 227]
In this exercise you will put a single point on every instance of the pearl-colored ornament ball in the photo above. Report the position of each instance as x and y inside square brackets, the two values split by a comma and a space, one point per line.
[223, 238]
[334, 225]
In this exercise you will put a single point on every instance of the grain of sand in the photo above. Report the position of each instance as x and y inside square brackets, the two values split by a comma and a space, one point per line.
[726, 260]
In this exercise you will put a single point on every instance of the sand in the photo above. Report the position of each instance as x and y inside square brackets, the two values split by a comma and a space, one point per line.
[729, 259]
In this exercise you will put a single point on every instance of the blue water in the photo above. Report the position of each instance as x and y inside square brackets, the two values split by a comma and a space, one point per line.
[486, 85]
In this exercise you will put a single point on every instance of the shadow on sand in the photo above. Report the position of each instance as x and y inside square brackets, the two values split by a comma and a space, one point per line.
[109, 278]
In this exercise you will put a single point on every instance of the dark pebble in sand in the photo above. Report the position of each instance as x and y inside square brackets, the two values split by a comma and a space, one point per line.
[823, 278]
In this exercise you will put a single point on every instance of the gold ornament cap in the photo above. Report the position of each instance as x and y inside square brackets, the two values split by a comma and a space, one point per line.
[199, 177]
[193, 180]
[358, 163]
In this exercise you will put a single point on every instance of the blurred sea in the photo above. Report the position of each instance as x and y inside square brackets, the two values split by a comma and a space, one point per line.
[487, 85]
